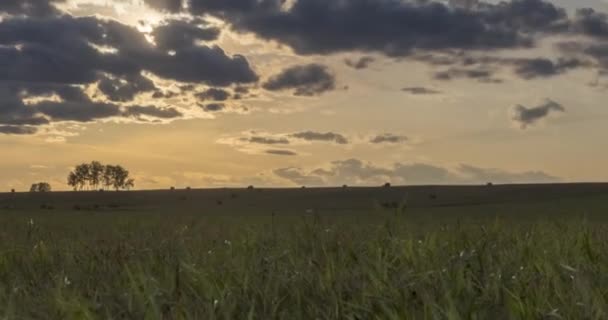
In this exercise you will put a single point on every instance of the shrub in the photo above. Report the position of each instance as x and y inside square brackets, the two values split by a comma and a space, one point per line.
[387, 185]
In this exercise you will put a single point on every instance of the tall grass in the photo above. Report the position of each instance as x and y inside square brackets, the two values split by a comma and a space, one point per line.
[108, 266]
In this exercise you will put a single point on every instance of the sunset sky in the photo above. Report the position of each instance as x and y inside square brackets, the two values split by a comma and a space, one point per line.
[215, 93]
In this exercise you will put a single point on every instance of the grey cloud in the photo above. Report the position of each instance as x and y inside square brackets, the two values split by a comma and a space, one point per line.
[153, 111]
[324, 27]
[480, 75]
[500, 176]
[297, 176]
[542, 67]
[266, 140]
[214, 94]
[388, 138]
[361, 63]
[58, 54]
[214, 107]
[117, 89]
[37, 8]
[66, 41]
[281, 152]
[81, 111]
[178, 34]
[528, 116]
[420, 90]
[321, 136]
[18, 130]
[305, 80]
[165, 5]
[358, 172]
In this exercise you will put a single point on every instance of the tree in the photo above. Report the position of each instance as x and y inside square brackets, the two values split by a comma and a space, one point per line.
[40, 187]
[96, 174]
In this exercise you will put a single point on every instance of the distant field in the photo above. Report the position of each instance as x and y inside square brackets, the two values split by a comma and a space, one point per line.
[477, 252]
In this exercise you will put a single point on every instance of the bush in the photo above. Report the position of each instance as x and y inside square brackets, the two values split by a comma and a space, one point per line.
[387, 185]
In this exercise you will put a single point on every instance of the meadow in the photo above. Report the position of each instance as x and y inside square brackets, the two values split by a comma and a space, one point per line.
[477, 252]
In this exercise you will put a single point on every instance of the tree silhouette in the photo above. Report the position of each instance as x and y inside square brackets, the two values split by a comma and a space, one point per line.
[95, 174]
[40, 187]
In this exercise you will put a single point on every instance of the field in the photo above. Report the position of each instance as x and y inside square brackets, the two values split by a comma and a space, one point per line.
[477, 252]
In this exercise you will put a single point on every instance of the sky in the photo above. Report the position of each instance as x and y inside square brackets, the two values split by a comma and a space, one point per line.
[285, 93]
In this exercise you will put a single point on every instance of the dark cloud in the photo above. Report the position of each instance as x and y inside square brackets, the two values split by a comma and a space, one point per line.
[420, 90]
[165, 5]
[305, 80]
[393, 27]
[528, 116]
[592, 23]
[480, 75]
[281, 152]
[361, 63]
[81, 111]
[542, 67]
[60, 55]
[36, 8]
[358, 172]
[18, 130]
[178, 34]
[214, 107]
[388, 138]
[214, 94]
[320, 136]
[153, 111]
[61, 50]
[266, 140]
[117, 89]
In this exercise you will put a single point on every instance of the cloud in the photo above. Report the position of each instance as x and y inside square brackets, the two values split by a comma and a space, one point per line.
[479, 74]
[525, 116]
[214, 107]
[214, 94]
[125, 89]
[266, 140]
[388, 138]
[305, 80]
[37, 8]
[358, 172]
[361, 63]
[179, 34]
[392, 27]
[543, 67]
[53, 61]
[297, 176]
[153, 111]
[321, 136]
[166, 5]
[420, 90]
[281, 152]
[17, 130]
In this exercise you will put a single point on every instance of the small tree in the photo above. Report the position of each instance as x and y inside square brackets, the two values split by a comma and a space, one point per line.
[40, 187]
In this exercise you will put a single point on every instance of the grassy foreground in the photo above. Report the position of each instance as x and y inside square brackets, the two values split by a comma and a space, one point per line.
[112, 266]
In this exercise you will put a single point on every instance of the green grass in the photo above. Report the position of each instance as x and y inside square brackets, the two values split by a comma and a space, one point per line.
[382, 265]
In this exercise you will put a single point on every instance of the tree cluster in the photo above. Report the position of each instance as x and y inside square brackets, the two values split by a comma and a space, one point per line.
[40, 187]
[95, 176]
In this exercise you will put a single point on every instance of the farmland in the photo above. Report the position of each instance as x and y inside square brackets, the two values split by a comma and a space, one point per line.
[460, 252]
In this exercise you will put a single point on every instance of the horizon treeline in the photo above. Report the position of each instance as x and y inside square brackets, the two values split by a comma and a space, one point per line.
[97, 176]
